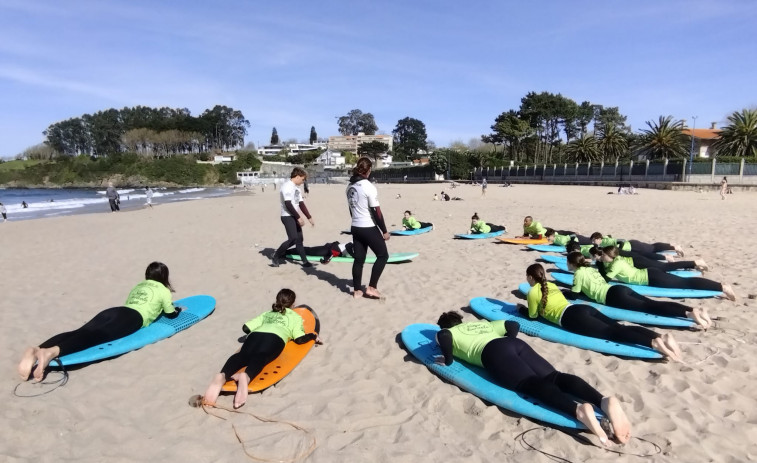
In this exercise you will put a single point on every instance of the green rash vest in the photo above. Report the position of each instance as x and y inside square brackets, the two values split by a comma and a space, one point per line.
[150, 298]
[288, 325]
[608, 241]
[589, 281]
[621, 270]
[585, 250]
[562, 240]
[470, 339]
[534, 229]
[480, 227]
[556, 303]
[411, 223]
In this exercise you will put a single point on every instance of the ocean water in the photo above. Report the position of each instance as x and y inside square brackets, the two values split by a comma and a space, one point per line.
[57, 202]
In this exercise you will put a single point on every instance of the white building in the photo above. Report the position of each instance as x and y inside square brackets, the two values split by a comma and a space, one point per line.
[293, 148]
[330, 159]
[352, 142]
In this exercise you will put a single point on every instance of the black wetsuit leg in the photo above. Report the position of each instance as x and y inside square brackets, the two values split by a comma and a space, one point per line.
[648, 248]
[319, 251]
[113, 205]
[425, 224]
[258, 350]
[640, 261]
[588, 321]
[494, 228]
[624, 297]
[108, 325]
[364, 238]
[666, 280]
[294, 237]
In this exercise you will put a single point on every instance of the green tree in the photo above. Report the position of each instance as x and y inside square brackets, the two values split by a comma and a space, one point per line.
[739, 137]
[409, 138]
[313, 135]
[274, 137]
[584, 149]
[355, 122]
[610, 116]
[664, 139]
[509, 129]
[612, 144]
[372, 149]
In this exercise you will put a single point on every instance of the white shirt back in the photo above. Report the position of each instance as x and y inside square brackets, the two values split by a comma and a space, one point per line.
[361, 196]
[289, 192]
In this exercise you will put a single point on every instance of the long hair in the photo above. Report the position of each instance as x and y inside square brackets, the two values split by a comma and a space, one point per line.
[578, 260]
[536, 271]
[449, 319]
[610, 251]
[362, 167]
[284, 300]
[158, 271]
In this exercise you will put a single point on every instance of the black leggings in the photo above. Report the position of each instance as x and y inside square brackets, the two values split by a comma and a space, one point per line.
[580, 239]
[114, 205]
[294, 237]
[258, 350]
[666, 280]
[108, 325]
[650, 248]
[640, 261]
[624, 297]
[494, 228]
[364, 238]
[588, 321]
[319, 251]
[514, 365]
[425, 224]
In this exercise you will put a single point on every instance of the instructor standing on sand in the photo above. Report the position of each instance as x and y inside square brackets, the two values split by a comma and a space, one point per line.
[368, 228]
[291, 201]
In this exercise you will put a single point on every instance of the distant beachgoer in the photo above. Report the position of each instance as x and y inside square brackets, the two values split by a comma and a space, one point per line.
[306, 188]
[146, 302]
[24, 205]
[291, 202]
[723, 188]
[436, 197]
[148, 195]
[404, 179]
[445, 196]
[483, 187]
[113, 197]
[4, 212]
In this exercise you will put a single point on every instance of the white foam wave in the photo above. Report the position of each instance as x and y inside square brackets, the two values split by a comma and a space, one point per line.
[192, 190]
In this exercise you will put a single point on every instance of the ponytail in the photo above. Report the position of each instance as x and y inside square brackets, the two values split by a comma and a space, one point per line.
[284, 300]
[536, 271]
[578, 260]
[475, 216]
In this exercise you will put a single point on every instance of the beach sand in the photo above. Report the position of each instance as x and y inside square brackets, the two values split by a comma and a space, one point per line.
[361, 394]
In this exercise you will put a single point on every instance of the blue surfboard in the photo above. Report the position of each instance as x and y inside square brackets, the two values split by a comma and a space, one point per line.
[681, 273]
[625, 315]
[493, 309]
[553, 259]
[478, 236]
[420, 340]
[195, 309]
[417, 231]
[652, 291]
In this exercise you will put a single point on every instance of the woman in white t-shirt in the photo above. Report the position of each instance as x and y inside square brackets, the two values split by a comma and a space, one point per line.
[368, 228]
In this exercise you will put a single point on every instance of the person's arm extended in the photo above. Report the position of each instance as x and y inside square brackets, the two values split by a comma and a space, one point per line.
[444, 338]
[304, 210]
[292, 210]
[378, 217]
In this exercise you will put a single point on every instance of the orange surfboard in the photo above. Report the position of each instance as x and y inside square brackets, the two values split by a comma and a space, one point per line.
[523, 240]
[287, 360]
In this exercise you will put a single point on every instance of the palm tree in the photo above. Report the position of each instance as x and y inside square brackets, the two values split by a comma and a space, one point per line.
[739, 138]
[584, 149]
[612, 143]
[665, 139]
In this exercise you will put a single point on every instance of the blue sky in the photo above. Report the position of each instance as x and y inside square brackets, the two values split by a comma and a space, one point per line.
[292, 65]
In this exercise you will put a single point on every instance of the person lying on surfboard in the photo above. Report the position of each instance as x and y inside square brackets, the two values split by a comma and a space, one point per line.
[410, 223]
[513, 364]
[588, 280]
[327, 251]
[267, 334]
[634, 245]
[640, 260]
[619, 269]
[478, 226]
[145, 303]
[547, 301]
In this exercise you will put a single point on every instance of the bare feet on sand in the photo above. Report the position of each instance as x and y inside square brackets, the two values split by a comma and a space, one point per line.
[240, 398]
[701, 265]
[728, 291]
[214, 389]
[27, 362]
[679, 250]
[357, 294]
[620, 424]
[372, 292]
[669, 258]
[670, 341]
[44, 357]
[585, 414]
[700, 316]
[660, 346]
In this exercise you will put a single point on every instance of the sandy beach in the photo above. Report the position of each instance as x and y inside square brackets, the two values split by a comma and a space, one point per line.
[361, 394]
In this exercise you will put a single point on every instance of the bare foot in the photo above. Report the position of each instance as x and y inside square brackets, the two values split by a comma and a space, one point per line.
[696, 315]
[706, 316]
[679, 250]
[27, 363]
[240, 398]
[659, 345]
[728, 291]
[701, 265]
[214, 389]
[585, 414]
[370, 291]
[44, 357]
[670, 341]
[669, 258]
[357, 294]
[620, 424]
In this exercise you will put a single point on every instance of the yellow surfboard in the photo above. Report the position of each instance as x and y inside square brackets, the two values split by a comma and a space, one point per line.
[523, 240]
[287, 360]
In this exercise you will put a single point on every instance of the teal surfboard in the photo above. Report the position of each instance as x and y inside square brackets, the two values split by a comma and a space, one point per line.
[652, 291]
[395, 257]
[625, 315]
[478, 236]
[195, 309]
[493, 309]
[420, 340]
[417, 231]
[681, 273]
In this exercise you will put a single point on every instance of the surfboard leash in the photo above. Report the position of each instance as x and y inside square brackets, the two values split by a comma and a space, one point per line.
[577, 435]
[58, 382]
[302, 456]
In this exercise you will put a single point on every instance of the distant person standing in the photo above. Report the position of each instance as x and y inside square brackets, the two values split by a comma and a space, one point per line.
[291, 206]
[723, 188]
[368, 229]
[148, 195]
[305, 187]
[24, 205]
[113, 197]
[4, 212]
[483, 188]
